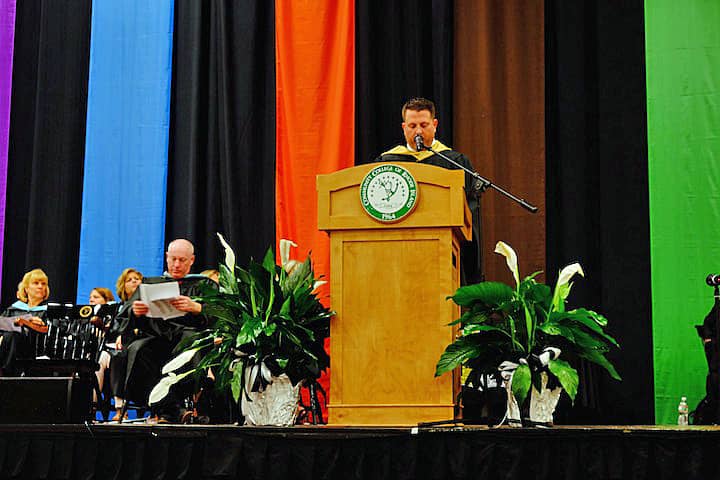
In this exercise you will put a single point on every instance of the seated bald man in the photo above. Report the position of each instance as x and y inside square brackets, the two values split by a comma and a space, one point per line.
[157, 338]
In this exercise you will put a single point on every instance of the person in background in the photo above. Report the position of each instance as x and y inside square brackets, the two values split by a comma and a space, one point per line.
[32, 294]
[120, 335]
[100, 296]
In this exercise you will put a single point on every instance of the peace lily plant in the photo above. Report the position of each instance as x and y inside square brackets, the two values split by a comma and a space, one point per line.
[523, 330]
[266, 321]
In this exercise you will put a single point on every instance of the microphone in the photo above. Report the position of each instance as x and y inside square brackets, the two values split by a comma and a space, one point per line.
[713, 280]
[419, 145]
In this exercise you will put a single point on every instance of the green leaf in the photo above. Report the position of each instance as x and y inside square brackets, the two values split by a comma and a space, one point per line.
[268, 262]
[243, 275]
[538, 293]
[521, 383]
[237, 381]
[561, 293]
[227, 280]
[300, 277]
[252, 327]
[598, 358]
[488, 293]
[285, 309]
[566, 375]
[557, 330]
[270, 329]
[456, 354]
[600, 320]
[475, 328]
[271, 297]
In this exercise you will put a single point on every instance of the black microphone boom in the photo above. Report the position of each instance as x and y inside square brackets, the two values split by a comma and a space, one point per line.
[713, 280]
[482, 182]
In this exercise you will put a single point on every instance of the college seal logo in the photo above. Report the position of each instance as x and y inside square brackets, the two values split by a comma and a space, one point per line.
[388, 193]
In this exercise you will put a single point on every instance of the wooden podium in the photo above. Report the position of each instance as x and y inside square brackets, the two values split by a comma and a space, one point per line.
[388, 286]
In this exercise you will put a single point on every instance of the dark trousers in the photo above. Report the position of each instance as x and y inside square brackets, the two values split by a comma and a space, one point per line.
[145, 360]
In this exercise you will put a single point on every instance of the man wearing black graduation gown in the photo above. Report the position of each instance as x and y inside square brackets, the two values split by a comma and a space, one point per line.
[419, 119]
[158, 338]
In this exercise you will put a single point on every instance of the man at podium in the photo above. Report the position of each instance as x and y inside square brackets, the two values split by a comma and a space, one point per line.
[419, 126]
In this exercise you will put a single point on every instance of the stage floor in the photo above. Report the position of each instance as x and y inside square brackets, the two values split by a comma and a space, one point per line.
[318, 452]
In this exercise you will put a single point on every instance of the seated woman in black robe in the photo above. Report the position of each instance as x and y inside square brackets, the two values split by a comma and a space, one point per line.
[122, 334]
[28, 311]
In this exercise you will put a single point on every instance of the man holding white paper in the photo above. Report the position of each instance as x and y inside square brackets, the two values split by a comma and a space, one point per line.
[179, 318]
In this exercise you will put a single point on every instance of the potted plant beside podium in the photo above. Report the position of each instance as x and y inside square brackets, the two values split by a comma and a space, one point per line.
[266, 340]
[517, 336]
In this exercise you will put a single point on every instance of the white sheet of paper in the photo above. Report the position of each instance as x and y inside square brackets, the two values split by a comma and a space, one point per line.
[158, 296]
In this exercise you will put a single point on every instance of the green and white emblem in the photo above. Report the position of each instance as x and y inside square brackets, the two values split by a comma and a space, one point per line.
[388, 193]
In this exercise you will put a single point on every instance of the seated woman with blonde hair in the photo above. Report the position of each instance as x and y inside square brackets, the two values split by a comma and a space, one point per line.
[29, 310]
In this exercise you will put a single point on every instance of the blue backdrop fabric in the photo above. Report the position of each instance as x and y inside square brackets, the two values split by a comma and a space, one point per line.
[126, 152]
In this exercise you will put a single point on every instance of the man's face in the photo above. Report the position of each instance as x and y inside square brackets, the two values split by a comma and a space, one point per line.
[420, 123]
[179, 261]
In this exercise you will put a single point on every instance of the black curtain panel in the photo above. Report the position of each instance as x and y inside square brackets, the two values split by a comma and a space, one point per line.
[404, 49]
[597, 190]
[47, 144]
[221, 173]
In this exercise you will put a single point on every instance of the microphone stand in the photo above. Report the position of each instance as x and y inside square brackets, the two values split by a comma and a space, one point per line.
[483, 183]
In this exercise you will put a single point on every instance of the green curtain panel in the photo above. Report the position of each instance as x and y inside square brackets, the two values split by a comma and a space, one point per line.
[683, 95]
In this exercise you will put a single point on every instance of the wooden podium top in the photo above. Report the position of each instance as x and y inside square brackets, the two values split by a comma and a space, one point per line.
[441, 200]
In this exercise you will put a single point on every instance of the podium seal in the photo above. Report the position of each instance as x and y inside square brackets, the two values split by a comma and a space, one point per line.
[388, 193]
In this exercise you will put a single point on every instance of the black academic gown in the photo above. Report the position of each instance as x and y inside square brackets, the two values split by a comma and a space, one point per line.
[155, 342]
[470, 268]
[14, 344]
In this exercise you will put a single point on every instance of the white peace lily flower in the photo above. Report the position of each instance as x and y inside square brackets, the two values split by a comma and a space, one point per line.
[229, 254]
[265, 372]
[561, 293]
[285, 246]
[179, 361]
[161, 390]
[568, 272]
[290, 265]
[510, 257]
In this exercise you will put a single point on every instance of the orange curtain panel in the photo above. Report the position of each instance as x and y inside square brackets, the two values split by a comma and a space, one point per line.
[315, 98]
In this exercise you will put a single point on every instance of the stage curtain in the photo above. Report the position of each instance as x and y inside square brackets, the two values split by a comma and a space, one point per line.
[499, 109]
[404, 50]
[7, 41]
[222, 130]
[47, 144]
[123, 207]
[597, 190]
[683, 103]
[306, 453]
[315, 45]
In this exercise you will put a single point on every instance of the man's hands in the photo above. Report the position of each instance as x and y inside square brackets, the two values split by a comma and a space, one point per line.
[140, 308]
[182, 303]
[185, 304]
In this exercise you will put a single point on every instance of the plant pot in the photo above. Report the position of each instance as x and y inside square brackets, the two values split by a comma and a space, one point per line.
[274, 405]
[538, 409]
